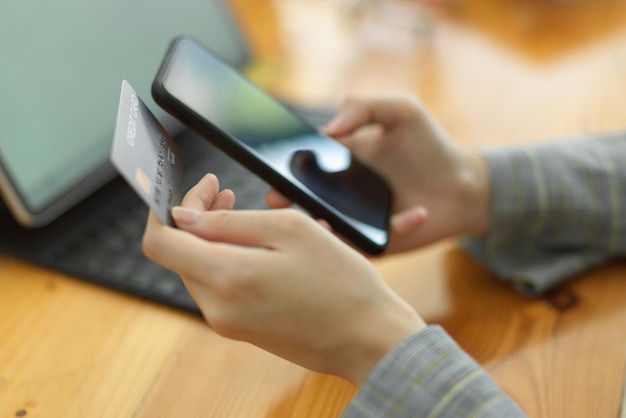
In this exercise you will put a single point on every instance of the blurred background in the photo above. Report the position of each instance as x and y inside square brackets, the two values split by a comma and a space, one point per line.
[493, 71]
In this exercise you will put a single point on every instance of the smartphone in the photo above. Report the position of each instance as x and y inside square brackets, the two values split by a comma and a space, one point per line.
[313, 170]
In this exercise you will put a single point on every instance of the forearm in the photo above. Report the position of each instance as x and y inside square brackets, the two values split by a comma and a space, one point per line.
[556, 210]
[428, 374]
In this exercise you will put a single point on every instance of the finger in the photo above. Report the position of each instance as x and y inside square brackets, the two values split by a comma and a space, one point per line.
[409, 230]
[192, 256]
[407, 222]
[358, 112]
[324, 224]
[225, 200]
[276, 200]
[203, 195]
[365, 142]
[262, 228]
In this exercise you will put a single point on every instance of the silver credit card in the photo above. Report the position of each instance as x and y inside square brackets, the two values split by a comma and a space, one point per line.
[146, 156]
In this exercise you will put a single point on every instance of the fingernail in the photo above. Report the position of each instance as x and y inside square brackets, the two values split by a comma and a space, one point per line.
[184, 215]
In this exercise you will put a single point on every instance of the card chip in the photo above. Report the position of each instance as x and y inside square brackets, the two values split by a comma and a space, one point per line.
[143, 181]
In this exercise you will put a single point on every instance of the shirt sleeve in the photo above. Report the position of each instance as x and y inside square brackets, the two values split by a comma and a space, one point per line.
[429, 375]
[557, 210]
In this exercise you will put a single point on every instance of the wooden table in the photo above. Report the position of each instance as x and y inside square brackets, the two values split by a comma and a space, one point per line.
[495, 72]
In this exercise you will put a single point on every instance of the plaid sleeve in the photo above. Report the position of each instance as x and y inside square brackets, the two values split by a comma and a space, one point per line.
[558, 209]
[428, 375]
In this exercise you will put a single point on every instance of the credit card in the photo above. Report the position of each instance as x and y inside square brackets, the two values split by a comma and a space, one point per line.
[146, 156]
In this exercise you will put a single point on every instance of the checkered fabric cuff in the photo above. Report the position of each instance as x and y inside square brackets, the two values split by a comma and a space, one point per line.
[429, 375]
[557, 210]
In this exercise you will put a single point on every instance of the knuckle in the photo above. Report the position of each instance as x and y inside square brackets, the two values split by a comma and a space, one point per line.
[406, 101]
[219, 320]
[226, 322]
[235, 284]
[221, 220]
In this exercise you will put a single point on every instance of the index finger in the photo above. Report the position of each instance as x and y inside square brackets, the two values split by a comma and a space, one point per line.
[277, 200]
[190, 255]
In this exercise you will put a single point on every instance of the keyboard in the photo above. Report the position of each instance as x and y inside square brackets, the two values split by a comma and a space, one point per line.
[105, 247]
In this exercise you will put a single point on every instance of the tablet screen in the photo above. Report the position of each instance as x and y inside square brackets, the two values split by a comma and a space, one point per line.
[62, 65]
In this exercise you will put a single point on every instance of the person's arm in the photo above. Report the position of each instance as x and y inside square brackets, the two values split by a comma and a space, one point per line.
[557, 209]
[430, 375]
[544, 212]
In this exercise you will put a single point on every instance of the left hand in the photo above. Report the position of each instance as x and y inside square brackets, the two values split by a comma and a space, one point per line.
[427, 169]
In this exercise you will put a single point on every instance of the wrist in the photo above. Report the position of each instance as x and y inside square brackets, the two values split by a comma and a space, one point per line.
[378, 339]
[474, 187]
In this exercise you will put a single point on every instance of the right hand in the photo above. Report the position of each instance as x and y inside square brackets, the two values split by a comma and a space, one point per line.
[399, 139]
[280, 281]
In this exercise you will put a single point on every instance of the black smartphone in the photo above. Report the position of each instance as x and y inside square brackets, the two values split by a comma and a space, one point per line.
[313, 170]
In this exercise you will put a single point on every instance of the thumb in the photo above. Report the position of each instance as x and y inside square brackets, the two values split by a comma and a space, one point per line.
[408, 221]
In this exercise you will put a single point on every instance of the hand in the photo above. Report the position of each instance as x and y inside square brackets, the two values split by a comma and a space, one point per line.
[425, 168]
[280, 280]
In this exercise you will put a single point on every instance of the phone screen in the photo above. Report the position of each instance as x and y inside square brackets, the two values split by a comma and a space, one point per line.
[317, 165]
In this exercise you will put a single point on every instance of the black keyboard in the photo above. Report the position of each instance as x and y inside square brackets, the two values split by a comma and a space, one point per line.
[105, 247]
